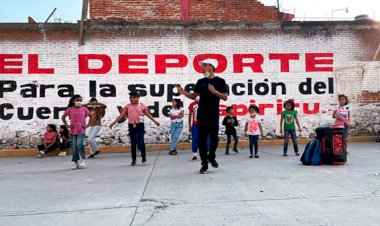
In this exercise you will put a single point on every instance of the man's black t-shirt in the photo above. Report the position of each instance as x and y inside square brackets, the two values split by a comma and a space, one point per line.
[208, 107]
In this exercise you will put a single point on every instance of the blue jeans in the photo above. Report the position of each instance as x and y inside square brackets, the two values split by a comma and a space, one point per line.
[253, 141]
[292, 133]
[92, 133]
[195, 139]
[77, 147]
[137, 138]
[175, 132]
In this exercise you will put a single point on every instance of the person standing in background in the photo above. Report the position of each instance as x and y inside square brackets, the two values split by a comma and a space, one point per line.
[97, 110]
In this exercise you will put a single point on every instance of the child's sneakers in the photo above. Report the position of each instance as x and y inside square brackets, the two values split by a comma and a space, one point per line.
[62, 153]
[41, 155]
[143, 161]
[251, 156]
[75, 166]
[257, 156]
[284, 154]
[133, 163]
[173, 152]
[235, 150]
[194, 157]
[83, 164]
[297, 154]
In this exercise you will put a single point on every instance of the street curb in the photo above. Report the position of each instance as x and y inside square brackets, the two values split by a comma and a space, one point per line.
[162, 147]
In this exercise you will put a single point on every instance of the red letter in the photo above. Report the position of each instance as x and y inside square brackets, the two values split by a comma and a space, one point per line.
[125, 61]
[284, 59]
[161, 63]
[312, 61]
[258, 60]
[4, 62]
[240, 109]
[262, 108]
[307, 111]
[222, 62]
[33, 66]
[83, 60]
[222, 110]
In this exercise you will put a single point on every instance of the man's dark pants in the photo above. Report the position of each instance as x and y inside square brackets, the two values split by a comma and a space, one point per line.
[208, 127]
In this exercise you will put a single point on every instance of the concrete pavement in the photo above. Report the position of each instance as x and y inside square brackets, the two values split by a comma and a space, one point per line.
[272, 190]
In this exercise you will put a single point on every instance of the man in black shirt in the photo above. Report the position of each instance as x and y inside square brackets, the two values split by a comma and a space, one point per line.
[210, 90]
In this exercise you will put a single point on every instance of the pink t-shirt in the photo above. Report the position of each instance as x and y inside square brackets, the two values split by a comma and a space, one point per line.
[135, 113]
[50, 137]
[77, 119]
[253, 126]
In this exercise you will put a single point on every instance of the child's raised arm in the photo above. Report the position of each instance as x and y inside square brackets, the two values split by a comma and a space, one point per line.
[123, 113]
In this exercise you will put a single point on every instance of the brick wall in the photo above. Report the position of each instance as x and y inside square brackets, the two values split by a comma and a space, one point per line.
[30, 99]
[162, 10]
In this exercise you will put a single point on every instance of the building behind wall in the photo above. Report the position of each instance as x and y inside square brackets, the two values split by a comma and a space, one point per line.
[50, 62]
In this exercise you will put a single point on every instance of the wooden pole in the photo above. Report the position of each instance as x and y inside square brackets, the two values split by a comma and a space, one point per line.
[51, 14]
[82, 22]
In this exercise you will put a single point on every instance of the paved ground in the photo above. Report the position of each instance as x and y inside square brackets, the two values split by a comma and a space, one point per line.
[272, 190]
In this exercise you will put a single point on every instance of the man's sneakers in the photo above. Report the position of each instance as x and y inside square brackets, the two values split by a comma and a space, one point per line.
[203, 169]
[143, 160]
[214, 164]
[194, 158]
[251, 156]
[297, 154]
[235, 150]
[284, 154]
[257, 156]
[133, 163]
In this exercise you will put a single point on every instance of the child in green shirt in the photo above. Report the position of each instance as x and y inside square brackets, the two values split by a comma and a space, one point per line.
[287, 126]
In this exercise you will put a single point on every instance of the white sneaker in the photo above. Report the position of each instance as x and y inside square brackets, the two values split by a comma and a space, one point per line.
[75, 165]
[83, 164]
[62, 153]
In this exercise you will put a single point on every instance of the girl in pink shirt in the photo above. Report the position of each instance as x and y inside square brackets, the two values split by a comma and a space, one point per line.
[135, 111]
[77, 115]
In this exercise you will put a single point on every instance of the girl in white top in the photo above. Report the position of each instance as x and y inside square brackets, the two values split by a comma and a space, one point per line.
[176, 116]
[253, 130]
